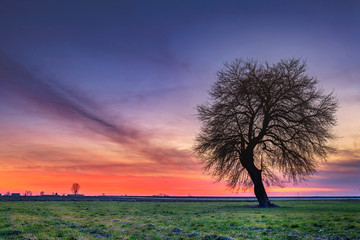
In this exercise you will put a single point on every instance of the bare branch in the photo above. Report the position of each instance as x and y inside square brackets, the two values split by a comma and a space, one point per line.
[269, 115]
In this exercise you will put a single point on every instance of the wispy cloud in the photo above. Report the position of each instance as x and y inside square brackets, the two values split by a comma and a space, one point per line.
[79, 160]
[69, 105]
[17, 81]
[342, 172]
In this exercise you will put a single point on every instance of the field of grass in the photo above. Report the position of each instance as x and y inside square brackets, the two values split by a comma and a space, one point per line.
[179, 220]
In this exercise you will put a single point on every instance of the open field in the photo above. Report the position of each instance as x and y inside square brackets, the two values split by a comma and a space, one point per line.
[165, 199]
[179, 220]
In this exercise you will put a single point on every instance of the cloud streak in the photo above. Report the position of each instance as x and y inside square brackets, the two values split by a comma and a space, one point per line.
[340, 173]
[17, 81]
[76, 159]
[73, 106]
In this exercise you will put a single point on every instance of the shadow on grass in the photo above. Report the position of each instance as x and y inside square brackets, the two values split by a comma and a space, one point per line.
[258, 206]
[249, 206]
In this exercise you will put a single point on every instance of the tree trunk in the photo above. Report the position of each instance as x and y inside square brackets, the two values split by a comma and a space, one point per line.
[259, 189]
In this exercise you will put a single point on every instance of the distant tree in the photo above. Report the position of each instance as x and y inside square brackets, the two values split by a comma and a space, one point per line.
[7, 194]
[263, 120]
[75, 188]
[28, 193]
[42, 193]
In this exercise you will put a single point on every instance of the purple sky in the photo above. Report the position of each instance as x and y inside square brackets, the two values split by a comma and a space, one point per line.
[120, 79]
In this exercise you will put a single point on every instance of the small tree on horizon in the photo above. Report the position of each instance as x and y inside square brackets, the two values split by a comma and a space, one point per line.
[28, 193]
[75, 188]
[264, 120]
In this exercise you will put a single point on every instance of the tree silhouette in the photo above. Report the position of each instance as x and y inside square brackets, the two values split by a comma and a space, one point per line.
[264, 120]
[28, 193]
[75, 188]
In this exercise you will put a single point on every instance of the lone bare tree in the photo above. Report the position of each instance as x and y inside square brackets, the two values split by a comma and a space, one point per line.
[28, 193]
[263, 120]
[75, 188]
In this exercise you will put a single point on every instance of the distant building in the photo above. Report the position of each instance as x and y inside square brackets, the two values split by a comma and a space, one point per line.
[15, 194]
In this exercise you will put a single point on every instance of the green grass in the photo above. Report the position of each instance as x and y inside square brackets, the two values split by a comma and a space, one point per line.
[183, 220]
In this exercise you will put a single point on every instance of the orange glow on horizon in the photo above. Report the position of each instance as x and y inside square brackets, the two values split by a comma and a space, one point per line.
[98, 184]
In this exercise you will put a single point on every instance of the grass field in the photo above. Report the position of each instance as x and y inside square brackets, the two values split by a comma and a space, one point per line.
[179, 220]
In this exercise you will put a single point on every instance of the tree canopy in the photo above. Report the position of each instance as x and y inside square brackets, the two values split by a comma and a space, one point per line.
[267, 119]
[75, 188]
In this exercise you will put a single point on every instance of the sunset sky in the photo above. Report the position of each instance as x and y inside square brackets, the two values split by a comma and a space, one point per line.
[103, 93]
